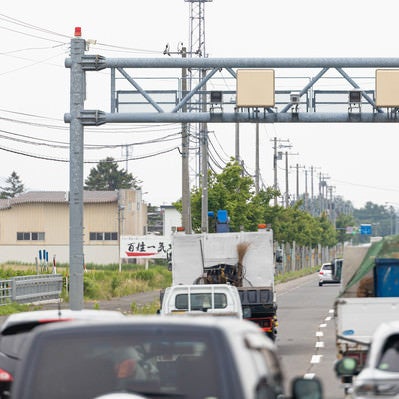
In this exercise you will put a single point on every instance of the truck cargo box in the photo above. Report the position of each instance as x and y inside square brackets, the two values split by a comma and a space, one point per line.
[386, 277]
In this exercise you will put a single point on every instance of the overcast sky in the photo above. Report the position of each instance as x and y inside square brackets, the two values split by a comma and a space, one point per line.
[359, 160]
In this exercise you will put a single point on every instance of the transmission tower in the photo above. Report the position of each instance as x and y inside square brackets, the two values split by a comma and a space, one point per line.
[127, 151]
[199, 157]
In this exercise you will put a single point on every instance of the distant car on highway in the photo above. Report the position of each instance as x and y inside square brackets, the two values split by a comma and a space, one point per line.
[154, 357]
[14, 331]
[326, 274]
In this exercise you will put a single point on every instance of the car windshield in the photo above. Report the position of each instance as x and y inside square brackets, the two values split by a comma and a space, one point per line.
[161, 365]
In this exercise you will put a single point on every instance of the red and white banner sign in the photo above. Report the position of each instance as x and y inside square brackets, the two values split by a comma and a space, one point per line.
[150, 246]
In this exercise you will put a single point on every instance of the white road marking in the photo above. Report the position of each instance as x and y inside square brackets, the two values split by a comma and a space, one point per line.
[316, 359]
[319, 344]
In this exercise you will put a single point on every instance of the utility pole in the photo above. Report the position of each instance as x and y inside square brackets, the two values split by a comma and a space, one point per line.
[257, 159]
[127, 151]
[186, 200]
[275, 168]
[312, 205]
[76, 156]
[306, 189]
[204, 163]
[287, 193]
[197, 47]
[185, 145]
[322, 190]
[237, 142]
[276, 156]
[331, 206]
[297, 167]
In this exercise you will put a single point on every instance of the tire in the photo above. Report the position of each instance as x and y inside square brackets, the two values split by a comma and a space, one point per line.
[320, 284]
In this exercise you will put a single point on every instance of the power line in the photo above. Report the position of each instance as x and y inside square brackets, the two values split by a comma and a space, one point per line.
[58, 144]
[48, 158]
[367, 186]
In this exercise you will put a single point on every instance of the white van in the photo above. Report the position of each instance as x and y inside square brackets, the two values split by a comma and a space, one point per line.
[210, 299]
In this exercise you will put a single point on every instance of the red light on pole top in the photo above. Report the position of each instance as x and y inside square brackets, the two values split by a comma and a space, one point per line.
[78, 31]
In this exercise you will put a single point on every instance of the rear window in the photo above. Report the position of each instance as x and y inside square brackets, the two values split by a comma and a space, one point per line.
[11, 345]
[14, 335]
[326, 267]
[389, 360]
[199, 301]
[161, 363]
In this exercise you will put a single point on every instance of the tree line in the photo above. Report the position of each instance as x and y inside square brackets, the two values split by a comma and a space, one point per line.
[233, 191]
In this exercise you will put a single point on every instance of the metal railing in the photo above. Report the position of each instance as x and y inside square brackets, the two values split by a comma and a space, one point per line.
[30, 289]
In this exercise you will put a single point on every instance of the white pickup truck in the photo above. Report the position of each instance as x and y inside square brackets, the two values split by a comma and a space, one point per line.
[199, 299]
[379, 376]
[366, 299]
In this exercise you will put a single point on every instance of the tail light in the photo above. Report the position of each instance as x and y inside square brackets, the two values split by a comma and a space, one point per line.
[5, 376]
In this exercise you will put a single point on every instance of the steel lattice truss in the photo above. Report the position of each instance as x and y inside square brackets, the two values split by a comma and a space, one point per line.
[316, 102]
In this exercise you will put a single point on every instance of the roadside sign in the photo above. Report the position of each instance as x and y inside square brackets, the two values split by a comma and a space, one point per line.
[149, 246]
[365, 229]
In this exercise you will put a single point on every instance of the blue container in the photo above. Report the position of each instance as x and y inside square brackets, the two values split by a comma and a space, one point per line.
[386, 277]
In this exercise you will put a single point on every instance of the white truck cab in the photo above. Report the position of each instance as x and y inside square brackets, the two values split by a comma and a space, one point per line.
[210, 299]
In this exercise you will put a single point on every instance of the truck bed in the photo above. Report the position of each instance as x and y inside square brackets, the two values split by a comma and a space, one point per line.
[358, 318]
[256, 295]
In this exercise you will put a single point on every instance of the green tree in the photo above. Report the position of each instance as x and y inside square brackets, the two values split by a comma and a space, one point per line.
[232, 191]
[293, 224]
[379, 216]
[343, 221]
[14, 188]
[329, 236]
[235, 193]
[108, 177]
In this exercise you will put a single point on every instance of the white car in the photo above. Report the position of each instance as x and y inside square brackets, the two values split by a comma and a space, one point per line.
[326, 274]
[154, 356]
[15, 329]
[379, 378]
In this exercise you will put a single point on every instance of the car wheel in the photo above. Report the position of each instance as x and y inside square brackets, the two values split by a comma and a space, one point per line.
[320, 284]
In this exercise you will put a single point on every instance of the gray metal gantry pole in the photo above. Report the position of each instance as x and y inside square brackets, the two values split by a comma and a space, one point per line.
[76, 257]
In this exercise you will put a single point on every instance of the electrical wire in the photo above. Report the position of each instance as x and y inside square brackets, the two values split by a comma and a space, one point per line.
[48, 158]
[58, 144]
[366, 186]
[18, 22]
[108, 47]
[43, 61]
[109, 130]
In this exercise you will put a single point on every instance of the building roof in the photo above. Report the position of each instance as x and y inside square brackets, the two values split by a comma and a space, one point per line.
[58, 197]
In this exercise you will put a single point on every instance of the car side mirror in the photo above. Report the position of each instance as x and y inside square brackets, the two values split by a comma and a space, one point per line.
[305, 388]
[346, 366]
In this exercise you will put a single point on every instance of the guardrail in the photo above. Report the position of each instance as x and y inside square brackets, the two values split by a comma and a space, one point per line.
[29, 289]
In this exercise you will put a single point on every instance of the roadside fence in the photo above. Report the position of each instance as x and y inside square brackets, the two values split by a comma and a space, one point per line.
[295, 257]
[31, 289]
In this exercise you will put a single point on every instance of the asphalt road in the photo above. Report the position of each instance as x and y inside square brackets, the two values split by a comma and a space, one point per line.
[306, 333]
